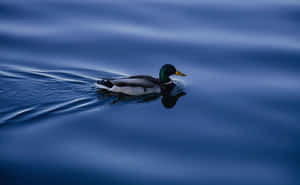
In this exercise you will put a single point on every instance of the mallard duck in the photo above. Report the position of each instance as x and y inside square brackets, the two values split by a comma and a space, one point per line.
[141, 84]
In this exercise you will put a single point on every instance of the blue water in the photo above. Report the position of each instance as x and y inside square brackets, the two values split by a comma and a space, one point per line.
[237, 122]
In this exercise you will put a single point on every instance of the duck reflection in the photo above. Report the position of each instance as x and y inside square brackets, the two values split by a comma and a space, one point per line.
[169, 96]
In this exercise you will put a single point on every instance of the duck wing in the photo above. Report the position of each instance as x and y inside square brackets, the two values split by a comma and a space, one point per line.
[150, 78]
[136, 81]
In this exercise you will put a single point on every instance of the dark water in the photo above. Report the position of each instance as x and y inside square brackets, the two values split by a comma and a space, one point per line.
[238, 122]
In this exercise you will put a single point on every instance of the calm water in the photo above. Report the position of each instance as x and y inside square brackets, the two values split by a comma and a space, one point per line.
[237, 124]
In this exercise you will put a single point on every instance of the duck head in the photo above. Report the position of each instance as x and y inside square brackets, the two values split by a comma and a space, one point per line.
[166, 71]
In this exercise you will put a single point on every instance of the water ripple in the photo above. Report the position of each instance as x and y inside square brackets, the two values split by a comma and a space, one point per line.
[57, 92]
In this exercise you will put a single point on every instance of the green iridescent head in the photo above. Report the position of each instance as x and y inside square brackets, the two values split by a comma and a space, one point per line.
[166, 71]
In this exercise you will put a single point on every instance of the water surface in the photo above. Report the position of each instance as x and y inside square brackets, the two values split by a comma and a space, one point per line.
[238, 122]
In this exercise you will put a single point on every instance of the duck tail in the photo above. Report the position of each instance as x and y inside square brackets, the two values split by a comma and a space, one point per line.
[106, 83]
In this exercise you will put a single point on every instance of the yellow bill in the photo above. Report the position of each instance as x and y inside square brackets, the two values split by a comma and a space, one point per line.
[180, 73]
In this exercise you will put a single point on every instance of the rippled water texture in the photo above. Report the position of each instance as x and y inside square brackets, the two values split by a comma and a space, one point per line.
[237, 122]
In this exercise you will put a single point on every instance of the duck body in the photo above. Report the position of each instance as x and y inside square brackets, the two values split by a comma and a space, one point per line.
[133, 85]
[140, 84]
